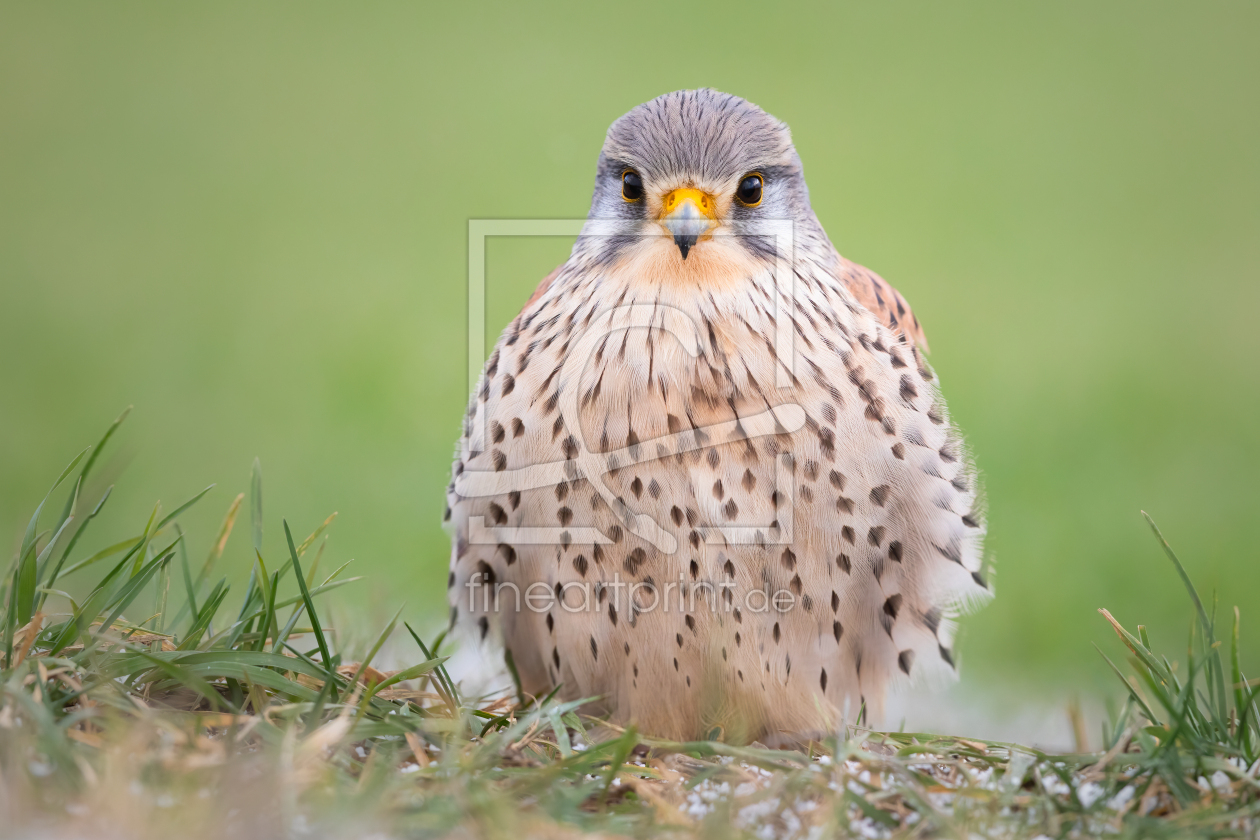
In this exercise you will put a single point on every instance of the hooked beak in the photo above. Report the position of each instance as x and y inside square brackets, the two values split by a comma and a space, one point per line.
[688, 214]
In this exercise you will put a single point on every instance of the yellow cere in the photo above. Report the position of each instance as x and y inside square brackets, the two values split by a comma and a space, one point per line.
[705, 202]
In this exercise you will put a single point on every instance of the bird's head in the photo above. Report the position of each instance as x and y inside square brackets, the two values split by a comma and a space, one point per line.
[688, 181]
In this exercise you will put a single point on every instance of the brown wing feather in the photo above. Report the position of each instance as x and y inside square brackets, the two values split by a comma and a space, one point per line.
[873, 292]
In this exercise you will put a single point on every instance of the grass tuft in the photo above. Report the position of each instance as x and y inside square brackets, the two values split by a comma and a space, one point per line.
[144, 709]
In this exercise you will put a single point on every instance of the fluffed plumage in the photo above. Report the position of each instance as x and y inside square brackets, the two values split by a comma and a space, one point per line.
[643, 452]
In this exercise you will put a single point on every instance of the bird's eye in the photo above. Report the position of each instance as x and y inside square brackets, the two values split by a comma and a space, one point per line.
[749, 191]
[631, 185]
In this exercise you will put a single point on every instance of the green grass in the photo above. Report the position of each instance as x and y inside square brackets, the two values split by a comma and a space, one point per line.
[160, 701]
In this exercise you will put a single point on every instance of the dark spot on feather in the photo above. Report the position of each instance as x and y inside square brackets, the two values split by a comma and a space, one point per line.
[908, 391]
[487, 573]
[634, 560]
[892, 606]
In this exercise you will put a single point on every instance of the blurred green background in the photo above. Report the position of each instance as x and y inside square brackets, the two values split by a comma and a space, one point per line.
[250, 221]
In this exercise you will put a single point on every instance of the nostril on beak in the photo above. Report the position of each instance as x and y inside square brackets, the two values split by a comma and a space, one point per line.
[687, 219]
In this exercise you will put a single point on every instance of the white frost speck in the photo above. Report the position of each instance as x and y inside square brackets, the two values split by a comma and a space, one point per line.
[1122, 798]
[1089, 793]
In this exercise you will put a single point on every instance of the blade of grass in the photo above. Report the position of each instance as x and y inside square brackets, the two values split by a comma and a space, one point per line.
[310, 607]
[96, 453]
[31, 577]
[171, 517]
[110, 551]
[149, 533]
[201, 621]
[29, 541]
[306, 543]
[133, 587]
[283, 636]
[189, 593]
[256, 504]
[51, 578]
[1217, 679]
[442, 681]
[94, 603]
[225, 531]
[271, 620]
[376, 647]
[32, 527]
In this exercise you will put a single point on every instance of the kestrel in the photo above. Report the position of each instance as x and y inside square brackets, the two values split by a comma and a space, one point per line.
[707, 477]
